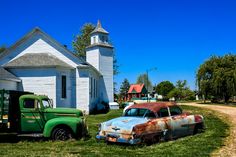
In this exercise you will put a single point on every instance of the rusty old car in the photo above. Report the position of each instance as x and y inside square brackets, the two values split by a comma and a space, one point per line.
[150, 123]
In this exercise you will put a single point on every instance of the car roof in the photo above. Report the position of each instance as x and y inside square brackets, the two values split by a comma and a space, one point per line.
[155, 106]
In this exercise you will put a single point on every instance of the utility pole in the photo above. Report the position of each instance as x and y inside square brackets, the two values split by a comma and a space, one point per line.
[151, 69]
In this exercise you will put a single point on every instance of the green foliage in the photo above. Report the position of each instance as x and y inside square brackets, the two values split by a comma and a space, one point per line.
[82, 40]
[164, 88]
[144, 79]
[115, 65]
[124, 88]
[181, 91]
[198, 145]
[2, 48]
[176, 93]
[216, 77]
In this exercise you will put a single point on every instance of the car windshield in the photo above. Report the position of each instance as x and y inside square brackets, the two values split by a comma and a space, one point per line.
[46, 103]
[138, 112]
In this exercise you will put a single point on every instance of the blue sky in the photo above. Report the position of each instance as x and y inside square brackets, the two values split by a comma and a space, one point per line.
[173, 36]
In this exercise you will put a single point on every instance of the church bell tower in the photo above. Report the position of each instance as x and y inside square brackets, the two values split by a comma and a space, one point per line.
[100, 55]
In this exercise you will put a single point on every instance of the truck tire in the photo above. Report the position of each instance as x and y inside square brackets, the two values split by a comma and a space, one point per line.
[61, 134]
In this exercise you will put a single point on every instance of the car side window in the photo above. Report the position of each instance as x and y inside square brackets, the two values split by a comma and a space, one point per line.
[175, 110]
[150, 114]
[163, 112]
[30, 103]
[132, 112]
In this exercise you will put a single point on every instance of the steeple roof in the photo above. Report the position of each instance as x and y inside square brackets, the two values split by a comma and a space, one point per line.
[99, 29]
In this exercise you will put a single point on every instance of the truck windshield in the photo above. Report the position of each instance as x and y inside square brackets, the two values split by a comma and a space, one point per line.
[46, 103]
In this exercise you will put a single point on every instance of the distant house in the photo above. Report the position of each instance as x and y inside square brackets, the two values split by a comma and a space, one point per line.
[39, 64]
[137, 91]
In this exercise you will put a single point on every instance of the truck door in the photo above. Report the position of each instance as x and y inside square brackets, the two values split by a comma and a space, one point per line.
[179, 122]
[31, 118]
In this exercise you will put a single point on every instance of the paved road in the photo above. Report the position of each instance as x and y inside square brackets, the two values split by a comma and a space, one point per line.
[230, 146]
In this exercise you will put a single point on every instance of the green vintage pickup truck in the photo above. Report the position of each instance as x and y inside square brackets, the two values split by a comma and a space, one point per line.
[27, 114]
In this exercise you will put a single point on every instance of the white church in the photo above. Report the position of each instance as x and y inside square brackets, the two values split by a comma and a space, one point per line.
[38, 63]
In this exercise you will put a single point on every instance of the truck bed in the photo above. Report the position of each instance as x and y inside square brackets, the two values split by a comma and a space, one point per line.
[10, 110]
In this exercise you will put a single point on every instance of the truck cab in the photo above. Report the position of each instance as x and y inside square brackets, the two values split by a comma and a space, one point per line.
[34, 115]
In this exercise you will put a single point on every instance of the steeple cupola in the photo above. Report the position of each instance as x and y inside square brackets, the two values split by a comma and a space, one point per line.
[99, 36]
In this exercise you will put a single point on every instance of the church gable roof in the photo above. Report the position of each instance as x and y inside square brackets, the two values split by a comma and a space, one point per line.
[67, 53]
[37, 60]
[5, 75]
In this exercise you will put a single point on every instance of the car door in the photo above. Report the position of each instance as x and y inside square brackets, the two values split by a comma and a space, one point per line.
[164, 117]
[31, 120]
[179, 122]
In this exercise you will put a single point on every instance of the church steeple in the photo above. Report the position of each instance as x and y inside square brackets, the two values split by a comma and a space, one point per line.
[99, 36]
[99, 29]
[100, 55]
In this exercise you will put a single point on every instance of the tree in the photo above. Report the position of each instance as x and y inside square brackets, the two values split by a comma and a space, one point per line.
[124, 88]
[216, 77]
[82, 40]
[2, 48]
[164, 88]
[181, 91]
[144, 79]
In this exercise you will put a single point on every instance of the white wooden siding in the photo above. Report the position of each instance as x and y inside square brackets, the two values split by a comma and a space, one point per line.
[92, 57]
[82, 90]
[8, 85]
[102, 59]
[70, 88]
[40, 81]
[106, 69]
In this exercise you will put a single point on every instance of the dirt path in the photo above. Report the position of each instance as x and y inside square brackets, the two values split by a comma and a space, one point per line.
[230, 144]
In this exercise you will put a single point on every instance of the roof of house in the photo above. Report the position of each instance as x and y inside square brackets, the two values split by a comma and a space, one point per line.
[35, 30]
[99, 29]
[136, 88]
[155, 107]
[37, 60]
[5, 75]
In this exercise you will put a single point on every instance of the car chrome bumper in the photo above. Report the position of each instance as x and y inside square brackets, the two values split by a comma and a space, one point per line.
[118, 139]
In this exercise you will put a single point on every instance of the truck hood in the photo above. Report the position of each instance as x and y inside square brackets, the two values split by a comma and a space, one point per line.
[123, 125]
[64, 112]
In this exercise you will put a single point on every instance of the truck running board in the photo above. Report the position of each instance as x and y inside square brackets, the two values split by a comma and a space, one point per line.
[30, 135]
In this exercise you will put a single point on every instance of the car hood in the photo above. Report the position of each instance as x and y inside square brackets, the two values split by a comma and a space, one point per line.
[122, 125]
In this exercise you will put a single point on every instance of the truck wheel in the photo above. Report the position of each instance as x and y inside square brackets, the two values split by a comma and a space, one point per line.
[61, 134]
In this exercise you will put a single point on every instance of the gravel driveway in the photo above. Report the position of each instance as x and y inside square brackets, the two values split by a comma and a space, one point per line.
[230, 144]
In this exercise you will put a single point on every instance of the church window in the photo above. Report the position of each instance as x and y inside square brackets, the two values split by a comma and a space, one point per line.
[91, 87]
[94, 87]
[63, 86]
[94, 40]
[103, 39]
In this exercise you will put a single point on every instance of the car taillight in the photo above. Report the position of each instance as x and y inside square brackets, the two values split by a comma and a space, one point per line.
[198, 118]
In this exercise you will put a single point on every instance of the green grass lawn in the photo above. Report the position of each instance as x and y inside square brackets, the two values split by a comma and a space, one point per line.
[198, 145]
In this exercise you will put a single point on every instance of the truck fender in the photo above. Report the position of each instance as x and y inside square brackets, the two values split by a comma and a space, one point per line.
[70, 122]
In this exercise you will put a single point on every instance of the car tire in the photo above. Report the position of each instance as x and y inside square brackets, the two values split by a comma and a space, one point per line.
[198, 128]
[61, 134]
